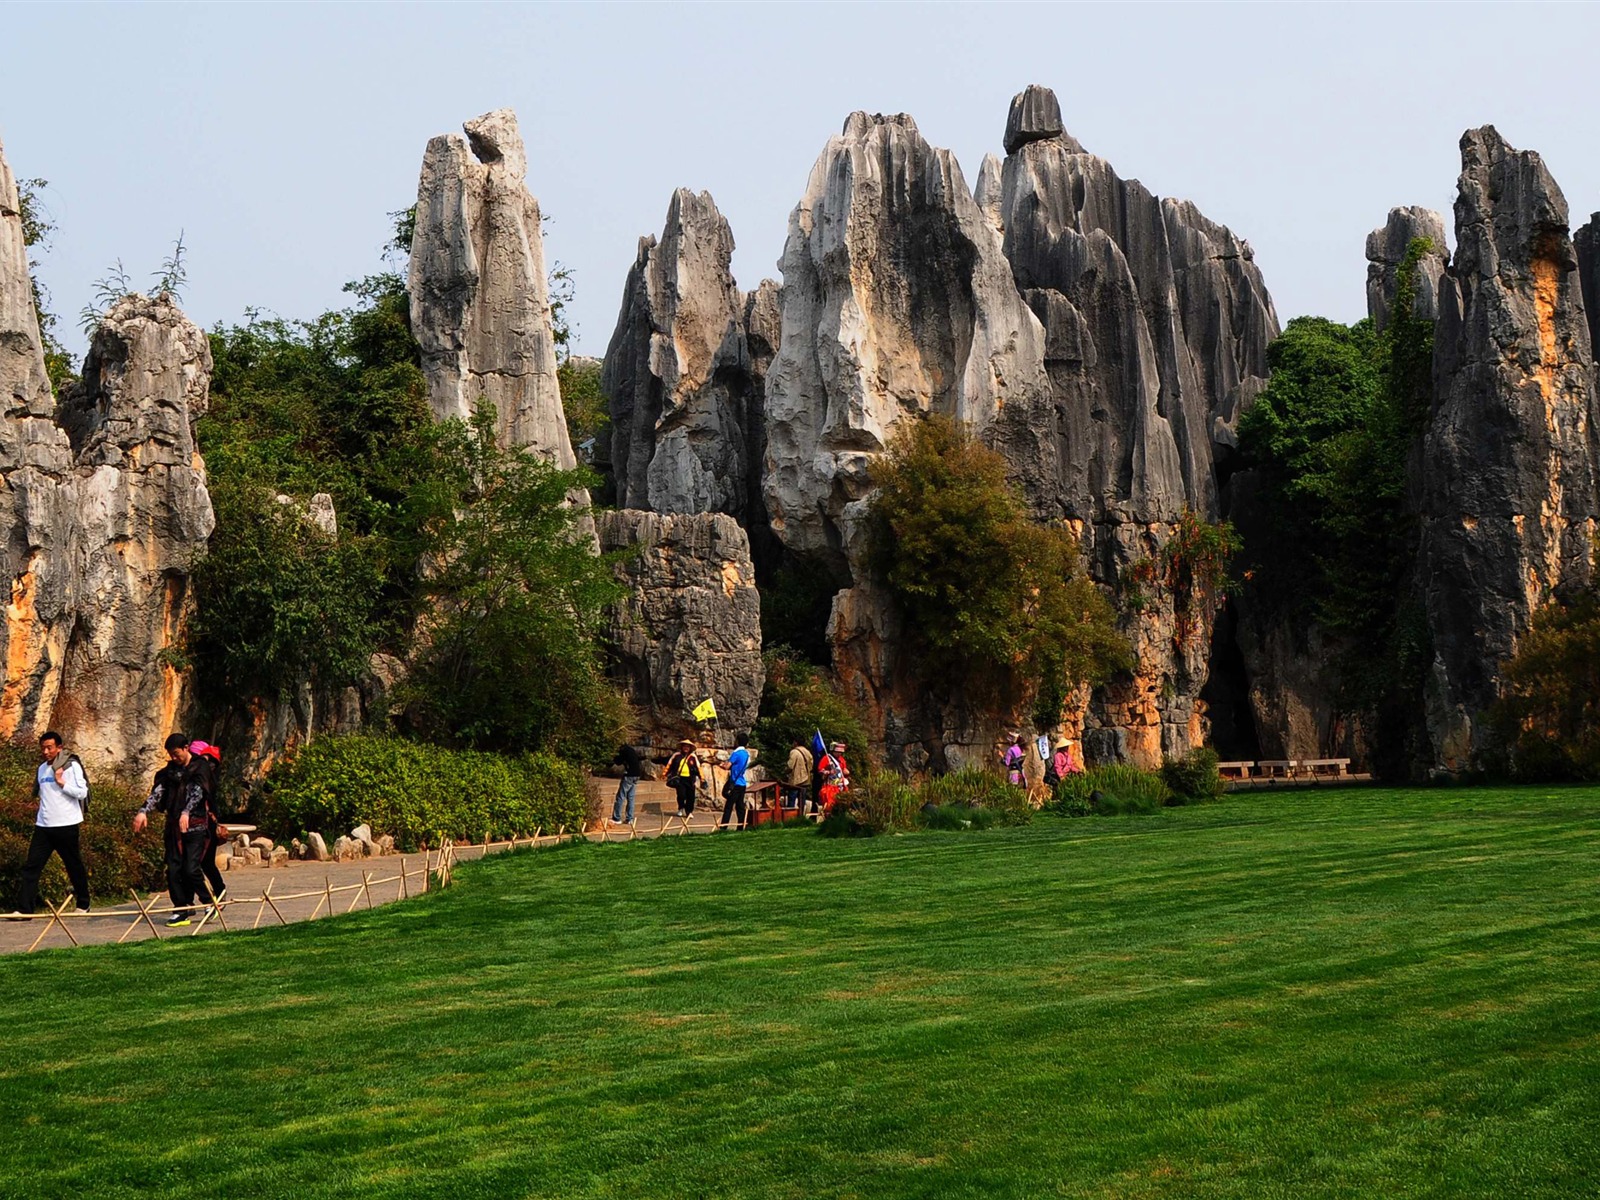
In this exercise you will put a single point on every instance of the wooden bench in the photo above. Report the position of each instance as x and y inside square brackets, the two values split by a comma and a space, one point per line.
[1235, 770]
[1336, 768]
[1278, 768]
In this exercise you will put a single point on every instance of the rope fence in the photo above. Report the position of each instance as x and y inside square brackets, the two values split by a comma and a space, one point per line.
[437, 871]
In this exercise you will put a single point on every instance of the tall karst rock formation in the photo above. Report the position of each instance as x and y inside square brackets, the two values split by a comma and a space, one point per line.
[104, 512]
[897, 302]
[685, 378]
[1157, 322]
[1507, 485]
[1103, 340]
[480, 302]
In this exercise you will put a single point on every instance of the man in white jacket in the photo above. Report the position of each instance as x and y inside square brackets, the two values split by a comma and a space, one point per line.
[63, 790]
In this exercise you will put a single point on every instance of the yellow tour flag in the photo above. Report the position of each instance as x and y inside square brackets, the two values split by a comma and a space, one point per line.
[705, 711]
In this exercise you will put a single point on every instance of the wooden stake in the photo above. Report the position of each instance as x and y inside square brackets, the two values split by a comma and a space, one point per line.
[266, 896]
[144, 911]
[327, 891]
[404, 886]
[55, 915]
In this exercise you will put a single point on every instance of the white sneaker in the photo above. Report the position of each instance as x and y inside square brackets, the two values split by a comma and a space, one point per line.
[80, 912]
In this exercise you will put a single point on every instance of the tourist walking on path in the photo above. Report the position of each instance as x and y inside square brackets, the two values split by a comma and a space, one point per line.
[733, 791]
[190, 812]
[683, 773]
[797, 776]
[632, 770]
[210, 760]
[166, 796]
[1011, 759]
[63, 793]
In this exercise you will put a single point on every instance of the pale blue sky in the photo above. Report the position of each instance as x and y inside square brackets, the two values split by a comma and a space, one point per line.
[277, 137]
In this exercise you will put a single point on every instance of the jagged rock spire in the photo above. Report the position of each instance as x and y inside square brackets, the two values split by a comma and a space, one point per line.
[480, 306]
[1508, 472]
[1387, 249]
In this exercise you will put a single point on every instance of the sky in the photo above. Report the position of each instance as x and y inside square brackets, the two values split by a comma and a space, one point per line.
[278, 138]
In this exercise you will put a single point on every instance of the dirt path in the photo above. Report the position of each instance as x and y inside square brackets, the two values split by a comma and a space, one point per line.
[299, 891]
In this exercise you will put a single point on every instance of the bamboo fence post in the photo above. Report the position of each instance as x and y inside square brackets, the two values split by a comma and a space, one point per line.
[261, 908]
[426, 867]
[327, 891]
[266, 896]
[144, 911]
[55, 918]
[405, 893]
[222, 917]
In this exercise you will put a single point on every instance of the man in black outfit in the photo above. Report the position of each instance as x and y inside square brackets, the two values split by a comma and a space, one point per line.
[182, 790]
[166, 797]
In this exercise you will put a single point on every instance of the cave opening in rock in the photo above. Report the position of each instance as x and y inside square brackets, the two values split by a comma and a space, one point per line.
[1227, 694]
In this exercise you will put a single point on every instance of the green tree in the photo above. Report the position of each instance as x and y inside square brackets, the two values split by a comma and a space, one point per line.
[800, 698]
[1331, 435]
[1549, 717]
[507, 655]
[990, 599]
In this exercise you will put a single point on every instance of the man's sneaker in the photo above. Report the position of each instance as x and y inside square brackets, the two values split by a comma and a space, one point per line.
[16, 914]
[177, 920]
[80, 911]
[221, 896]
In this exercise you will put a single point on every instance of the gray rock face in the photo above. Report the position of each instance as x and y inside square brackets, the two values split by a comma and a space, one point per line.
[1386, 250]
[684, 382]
[103, 513]
[1157, 323]
[897, 301]
[1586, 242]
[480, 306]
[690, 627]
[144, 516]
[1508, 482]
[1035, 116]
[39, 505]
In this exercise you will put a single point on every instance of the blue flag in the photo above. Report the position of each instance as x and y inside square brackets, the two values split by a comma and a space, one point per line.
[819, 748]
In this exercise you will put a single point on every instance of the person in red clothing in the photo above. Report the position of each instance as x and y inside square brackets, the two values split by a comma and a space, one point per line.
[835, 774]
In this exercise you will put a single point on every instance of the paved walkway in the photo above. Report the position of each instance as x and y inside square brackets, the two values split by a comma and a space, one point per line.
[298, 891]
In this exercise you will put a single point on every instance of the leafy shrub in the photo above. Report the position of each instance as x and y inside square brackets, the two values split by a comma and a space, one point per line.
[982, 587]
[1194, 778]
[1549, 718]
[1122, 789]
[975, 788]
[420, 793]
[798, 699]
[116, 857]
[877, 802]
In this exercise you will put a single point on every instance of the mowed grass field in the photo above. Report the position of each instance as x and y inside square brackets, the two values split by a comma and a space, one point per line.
[1359, 993]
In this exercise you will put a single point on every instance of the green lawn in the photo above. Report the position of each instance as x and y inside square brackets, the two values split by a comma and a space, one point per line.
[1364, 993]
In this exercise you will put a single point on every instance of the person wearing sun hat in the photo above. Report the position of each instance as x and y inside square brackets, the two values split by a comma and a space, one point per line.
[1065, 760]
[683, 773]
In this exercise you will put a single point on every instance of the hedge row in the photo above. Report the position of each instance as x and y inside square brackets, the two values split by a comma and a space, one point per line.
[420, 794]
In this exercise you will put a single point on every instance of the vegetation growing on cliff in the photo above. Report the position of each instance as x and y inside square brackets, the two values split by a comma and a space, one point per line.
[1549, 718]
[1330, 435]
[37, 228]
[432, 518]
[989, 597]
